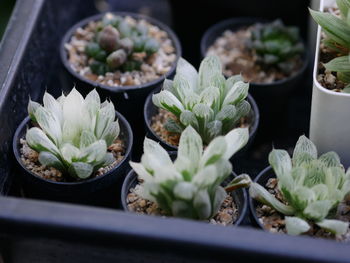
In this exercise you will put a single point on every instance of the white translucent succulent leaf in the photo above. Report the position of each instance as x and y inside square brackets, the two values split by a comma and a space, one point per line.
[191, 146]
[184, 190]
[223, 169]
[39, 141]
[346, 188]
[108, 159]
[215, 150]
[296, 226]
[231, 81]
[209, 67]
[50, 160]
[209, 96]
[61, 99]
[202, 204]
[301, 197]
[237, 93]
[86, 138]
[188, 118]
[166, 100]
[154, 150]
[81, 170]
[235, 140]
[111, 132]
[219, 197]
[188, 72]
[69, 152]
[330, 159]
[169, 86]
[213, 129]
[49, 123]
[104, 118]
[166, 173]
[53, 106]
[95, 152]
[336, 227]
[141, 172]
[206, 176]
[92, 102]
[304, 148]
[260, 194]
[280, 162]
[182, 87]
[318, 210]
[147, 190]
[32, 107]
[320, 191]
[227, 113]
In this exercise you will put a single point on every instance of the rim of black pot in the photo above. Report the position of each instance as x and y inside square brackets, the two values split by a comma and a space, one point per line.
[252, 202]
[220, 27]
[131, 179]
[118, 89]
[24, 124]
[252, 130]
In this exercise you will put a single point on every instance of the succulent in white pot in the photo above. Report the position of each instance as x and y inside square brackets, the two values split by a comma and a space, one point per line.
[330, 98]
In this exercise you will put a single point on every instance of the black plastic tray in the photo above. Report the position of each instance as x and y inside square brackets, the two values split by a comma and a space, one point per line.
[41, 231]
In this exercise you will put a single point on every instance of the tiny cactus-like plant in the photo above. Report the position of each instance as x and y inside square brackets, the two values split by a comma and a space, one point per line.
[337, 31]
[312, 187]
[190, 186]
[205, 100]
[275, 44]
[73, 133]
[115, 43]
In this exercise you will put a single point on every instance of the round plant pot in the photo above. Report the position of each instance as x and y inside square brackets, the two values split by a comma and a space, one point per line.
[128, 100]
[329, 122]
[272, 98]
[239, 196]
[102, 190]
[151, 110]
[261, 179]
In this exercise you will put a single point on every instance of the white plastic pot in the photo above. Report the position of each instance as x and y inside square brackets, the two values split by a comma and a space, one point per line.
[330, 113]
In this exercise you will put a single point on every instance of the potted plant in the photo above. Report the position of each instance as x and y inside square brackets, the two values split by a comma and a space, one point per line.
[192, 185]
[72, 149]
[269, 55]
[330, 97]
[205, 100]
[300, 195]
[123, 55]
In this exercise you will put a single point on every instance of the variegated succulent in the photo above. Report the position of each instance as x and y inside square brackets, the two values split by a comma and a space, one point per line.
[205, 100]
[190, 186]
[115, 44]
[337, 30]
[274, 44]
[312, 187]
[73, 133]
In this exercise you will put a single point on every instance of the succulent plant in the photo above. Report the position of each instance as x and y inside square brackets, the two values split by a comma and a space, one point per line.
[207, 101]
[190, 186]
[275, 44]
[73, 133]
[337, 30]
[115, 43]
[311, 186]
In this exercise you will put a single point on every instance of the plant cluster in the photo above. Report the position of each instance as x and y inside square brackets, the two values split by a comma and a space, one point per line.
[275, 44]
[311, 186]
[337, 31]
[190, 186]
[73, 133]
[205, 100]
[115, 44]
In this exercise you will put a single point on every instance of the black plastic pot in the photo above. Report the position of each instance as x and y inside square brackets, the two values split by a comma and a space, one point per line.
[151, 110]
[272, 98]
[102, 190]
[261, 179]
[128, 100]
[239, 196]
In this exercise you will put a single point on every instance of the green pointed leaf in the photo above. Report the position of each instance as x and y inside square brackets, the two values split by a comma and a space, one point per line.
[343, 6]
[240, 181]
[339, 64]
[260, 194]
[172, 125]
[168, 101]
